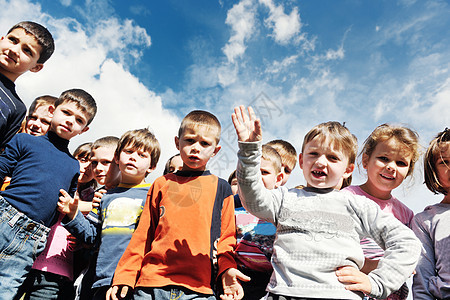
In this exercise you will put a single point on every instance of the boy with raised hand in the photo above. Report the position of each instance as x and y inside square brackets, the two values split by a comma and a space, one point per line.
[316, 251]
[116, 218]
[39, 168]
[26, 47]
[186, 213]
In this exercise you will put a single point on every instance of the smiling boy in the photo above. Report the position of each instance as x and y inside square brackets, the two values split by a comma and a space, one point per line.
[26, 47]
[39, 167]
[116, 219]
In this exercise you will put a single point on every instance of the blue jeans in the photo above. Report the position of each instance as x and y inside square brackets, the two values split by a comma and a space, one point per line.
[169, 293]
[21, 241]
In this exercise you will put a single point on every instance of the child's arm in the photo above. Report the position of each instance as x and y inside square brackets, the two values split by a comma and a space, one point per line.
[426, 268]
[402, 249]
[259, 201]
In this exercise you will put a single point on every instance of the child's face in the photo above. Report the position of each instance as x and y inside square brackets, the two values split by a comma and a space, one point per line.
[176, 164]
[270, 177]
[234, 186]
[39, 121]
[101, 160]
[197, 145]
[19, 52]
[323, 166]
[443, 167]
[68, 120]
[386, 168]
[86, 173]
[134, 165]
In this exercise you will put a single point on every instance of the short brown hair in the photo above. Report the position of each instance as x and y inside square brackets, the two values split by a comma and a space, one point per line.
[40, 101]
[286, 150]
[342, 139]
[439, 144]
[83, 151]
[402, 134]
[141, 138]
[106, 141]
[83, 100]
[42, 36]
[200, 117]
[271, 154]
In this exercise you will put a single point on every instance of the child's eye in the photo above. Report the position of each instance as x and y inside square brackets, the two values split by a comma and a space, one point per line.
[402, 164]
[205, 144]
[264, 172]
[383, 158]
[94, 163]
[13, 39]
[333, 158]
[28, 51]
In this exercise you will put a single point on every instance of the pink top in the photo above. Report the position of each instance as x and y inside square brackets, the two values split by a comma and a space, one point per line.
[393, 206]
[57, 257]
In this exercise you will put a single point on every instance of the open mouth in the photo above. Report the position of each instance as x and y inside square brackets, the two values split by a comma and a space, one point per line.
[318, 174]
[194, 158]
[388, 177]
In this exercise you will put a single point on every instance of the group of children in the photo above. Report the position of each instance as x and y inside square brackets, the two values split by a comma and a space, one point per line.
[88, 226]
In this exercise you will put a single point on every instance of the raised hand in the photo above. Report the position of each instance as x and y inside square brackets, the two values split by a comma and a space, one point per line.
[248, 127]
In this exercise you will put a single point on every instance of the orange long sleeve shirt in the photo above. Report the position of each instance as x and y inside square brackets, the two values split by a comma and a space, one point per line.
[185, 213]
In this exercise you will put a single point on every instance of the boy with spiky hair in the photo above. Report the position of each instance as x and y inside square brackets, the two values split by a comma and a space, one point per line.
[26, 47]
[170, 255]
[39, 167]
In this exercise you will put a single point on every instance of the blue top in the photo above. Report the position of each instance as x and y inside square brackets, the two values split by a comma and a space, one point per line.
[12, 110]
[39, 167]
[112, 226]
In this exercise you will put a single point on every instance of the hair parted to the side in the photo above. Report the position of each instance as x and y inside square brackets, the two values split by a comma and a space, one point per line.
[271, 154]
[340, 137]
[106, 141]
[41, 101]
[231, 177]
[402, 134]
[83, 151]
[203, 118]
[286, 150]
[141, 139]
[83, 100]
[437, 145]
[42, 36]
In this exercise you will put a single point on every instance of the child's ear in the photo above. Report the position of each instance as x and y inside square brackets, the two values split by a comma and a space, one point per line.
[116, 158]
[177, 143]
[218, 147]
[51, 110]
[37, 68]
[280, 177]
[365, 160]
[300, 160]
[349, 170]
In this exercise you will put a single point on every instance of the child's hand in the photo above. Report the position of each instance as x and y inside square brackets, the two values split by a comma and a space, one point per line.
[98, 195]
[354, 279]
[232, 289]
[248, 127]
[68, 205]
[111, 294]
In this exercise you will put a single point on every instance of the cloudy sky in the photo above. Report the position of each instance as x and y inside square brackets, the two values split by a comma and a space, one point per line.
[299, 63]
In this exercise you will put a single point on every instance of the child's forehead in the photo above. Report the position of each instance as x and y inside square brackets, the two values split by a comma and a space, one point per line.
[32, 41]
[201, 130]
[103, 150]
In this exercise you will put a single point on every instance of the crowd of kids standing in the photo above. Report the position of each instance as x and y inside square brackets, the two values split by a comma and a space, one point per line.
[86, 225]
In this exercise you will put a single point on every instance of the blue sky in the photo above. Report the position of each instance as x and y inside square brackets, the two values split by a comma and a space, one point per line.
[148, 63]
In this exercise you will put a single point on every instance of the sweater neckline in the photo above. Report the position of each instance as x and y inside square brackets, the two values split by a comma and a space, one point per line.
[59, 142]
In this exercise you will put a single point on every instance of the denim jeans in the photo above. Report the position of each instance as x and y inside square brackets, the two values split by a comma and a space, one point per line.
[21, 241]
[43, 285]
[169, 293]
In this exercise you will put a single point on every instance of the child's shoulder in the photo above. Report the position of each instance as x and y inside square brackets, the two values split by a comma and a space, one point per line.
[436, 210]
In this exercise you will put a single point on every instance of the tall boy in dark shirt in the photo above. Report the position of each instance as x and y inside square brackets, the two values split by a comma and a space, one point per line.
[39, 168]
[26, 47]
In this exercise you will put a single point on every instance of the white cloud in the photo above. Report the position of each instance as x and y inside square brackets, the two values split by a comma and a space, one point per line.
[66, 2]
[285, 26]
[241, 19]
[280, 66]
[94, 61]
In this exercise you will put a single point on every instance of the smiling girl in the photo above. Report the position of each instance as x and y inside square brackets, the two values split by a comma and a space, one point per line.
[388, 155]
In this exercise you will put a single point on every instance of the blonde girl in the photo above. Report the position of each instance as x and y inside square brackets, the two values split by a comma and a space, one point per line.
[432, 226]
[388, 155]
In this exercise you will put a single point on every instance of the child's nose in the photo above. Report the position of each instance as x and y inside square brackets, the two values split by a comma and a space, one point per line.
[321, 160]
